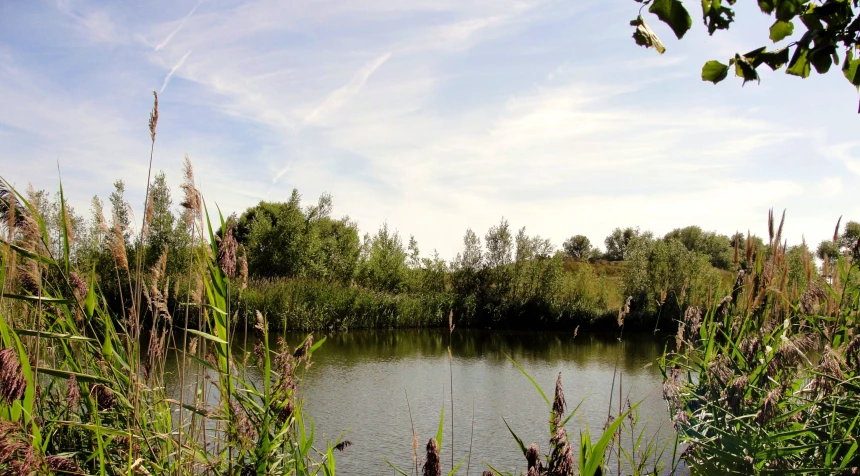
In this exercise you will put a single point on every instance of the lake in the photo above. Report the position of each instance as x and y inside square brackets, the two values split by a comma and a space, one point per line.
[360, 381]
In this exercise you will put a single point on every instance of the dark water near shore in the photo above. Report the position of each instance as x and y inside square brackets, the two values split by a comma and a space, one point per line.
[360, 380]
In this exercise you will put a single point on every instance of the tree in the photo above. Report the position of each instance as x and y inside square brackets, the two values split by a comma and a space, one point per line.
[850, 239]
[499, 243]
[577, 247]
[160, 219]
[120, 210]
[827, 251]
[384, 266]
[281, 240]
[717, 247]
[830, 26]
[472, 256]
[414, 253]
[618, 241]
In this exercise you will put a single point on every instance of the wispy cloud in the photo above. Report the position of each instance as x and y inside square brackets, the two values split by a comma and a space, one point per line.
[174, 70]
[339, 97]
[280, 174]
[179, 27]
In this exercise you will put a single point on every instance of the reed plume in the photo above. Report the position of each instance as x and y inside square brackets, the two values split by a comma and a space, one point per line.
[343, 445]
[60, 466]
[16, 452]
[153, 116]
[432, 464]
[12, 381]
[73, 392]
[191, 202]
[227, 253]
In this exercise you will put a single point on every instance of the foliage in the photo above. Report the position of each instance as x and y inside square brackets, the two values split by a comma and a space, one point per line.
[302, 304]
[382, 265]
[718, 248]
[101, 401]
[577, 247]
[618, 242]
[282, 240]
[765, 380]
[827, 27]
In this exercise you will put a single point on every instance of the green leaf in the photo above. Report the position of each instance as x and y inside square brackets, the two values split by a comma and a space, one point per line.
[645, 36]
[714, 71]
[53, 335]
[43, 299]
[90, 301]
[208, 336]
[404, 473]
[799, 65]
[716, 16]
[822, 57]
[745, 69]
[596, 456]
[672, 13]
[66, 231]
[545, 398]
[766, 6]
[455, 468]
[66, 375]
[29, 254]
[849, 68]
[775, 59]
[441, 428]
[787, 9]
[780, 30]
[516, 438]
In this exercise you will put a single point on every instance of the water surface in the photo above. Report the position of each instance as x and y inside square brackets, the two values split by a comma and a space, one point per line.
[360, 381]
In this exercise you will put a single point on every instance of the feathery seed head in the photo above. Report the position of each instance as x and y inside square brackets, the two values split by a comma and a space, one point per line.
[153, 116]
[12, 381]
[431, 465]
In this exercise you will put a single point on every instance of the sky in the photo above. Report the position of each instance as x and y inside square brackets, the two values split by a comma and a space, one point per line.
[432, 116]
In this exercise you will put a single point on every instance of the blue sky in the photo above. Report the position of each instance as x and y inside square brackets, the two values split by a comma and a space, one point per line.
[430, 115]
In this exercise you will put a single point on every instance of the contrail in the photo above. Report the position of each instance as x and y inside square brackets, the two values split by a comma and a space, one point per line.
[175, 68]
[181, 24]
[339, 97]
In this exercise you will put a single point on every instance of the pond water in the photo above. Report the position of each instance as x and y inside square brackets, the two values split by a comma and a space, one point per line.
[360, 381]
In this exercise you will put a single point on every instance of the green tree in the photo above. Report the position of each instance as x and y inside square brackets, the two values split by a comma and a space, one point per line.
[618, 241]
[120, 210]
[717, 247]
[826, 27]
[160, 220]
[282, 240]
[414, 253]
[849, 240]
[577, 247]
[828, 251]
[384, 264]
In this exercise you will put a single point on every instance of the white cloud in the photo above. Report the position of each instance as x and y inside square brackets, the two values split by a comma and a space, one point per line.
[339, 97]
[830, 186]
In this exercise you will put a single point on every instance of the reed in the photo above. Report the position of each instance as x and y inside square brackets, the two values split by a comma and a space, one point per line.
[82, 388]
[765, 381]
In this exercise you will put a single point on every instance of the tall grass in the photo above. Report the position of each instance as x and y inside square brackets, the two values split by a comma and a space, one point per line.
[304, 304]
[765, 380]
[82, 389]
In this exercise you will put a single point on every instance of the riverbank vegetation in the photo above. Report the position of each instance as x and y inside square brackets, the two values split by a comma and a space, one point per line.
[307, 270]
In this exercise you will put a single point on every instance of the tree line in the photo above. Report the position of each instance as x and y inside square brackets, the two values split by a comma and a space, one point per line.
[503, 277]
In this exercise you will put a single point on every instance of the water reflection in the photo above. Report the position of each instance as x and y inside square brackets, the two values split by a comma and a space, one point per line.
[360, 382]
